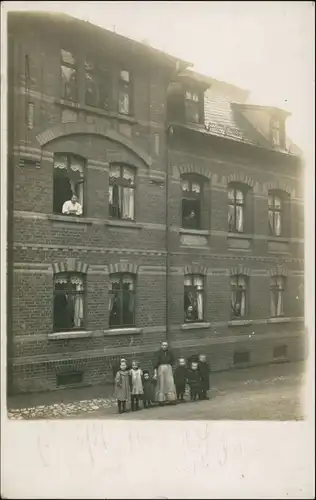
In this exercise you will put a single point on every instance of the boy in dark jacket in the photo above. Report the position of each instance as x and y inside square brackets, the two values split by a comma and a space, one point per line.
[180, 378]
[148, 387]
[194, 381]
[204, 369]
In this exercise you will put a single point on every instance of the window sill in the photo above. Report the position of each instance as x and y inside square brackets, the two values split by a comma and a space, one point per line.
[195, 326]
[122, 331]
[80, 334]
[280, 319]
[240, 322]
[280, 239]
[124, 223]
[241, 236]
[197, 232]
[95, 110]
[76, 219]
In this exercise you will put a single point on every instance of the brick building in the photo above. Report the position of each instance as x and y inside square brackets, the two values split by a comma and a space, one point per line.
[192, 211]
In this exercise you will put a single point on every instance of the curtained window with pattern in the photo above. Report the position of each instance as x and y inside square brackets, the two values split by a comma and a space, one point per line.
[122, 300]
[122, 192]
[193, 298]
[69, 301]
[277, 296]
[239, 299]
[69, 176]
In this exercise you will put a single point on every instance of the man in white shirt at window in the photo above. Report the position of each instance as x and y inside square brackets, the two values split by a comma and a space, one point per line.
[72, 207]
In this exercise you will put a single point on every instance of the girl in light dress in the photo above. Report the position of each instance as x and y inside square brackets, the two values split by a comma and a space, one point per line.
[136, 381]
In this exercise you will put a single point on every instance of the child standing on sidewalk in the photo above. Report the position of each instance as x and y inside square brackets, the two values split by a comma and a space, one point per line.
[180, 378]
[122, 386]
[137, 390]
[194, 381]
[204, 368]
[148, 387]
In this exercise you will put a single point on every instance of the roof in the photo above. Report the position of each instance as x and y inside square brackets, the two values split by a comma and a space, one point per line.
[120, 40]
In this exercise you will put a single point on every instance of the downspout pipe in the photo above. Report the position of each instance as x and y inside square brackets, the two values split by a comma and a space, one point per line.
[168, 134]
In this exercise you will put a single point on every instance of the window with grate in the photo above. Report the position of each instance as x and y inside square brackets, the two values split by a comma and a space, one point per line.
[69, 302]
[69, 378]
[122, 192]
[280, 351]
[193, 298]
[122, 300]
[69, 173]
[241, 357]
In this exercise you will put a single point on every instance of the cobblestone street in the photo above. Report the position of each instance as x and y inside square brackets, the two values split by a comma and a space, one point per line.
[262, 393]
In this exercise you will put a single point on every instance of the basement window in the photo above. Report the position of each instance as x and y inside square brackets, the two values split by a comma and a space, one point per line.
[69, 378]
[241, 357]
[280, 351]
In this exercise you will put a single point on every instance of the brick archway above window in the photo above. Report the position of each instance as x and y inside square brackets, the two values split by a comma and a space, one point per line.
[194, 169]
[64, 129]
[195, 269]
[278, 186]
[240, 270]
[278, 271]
[123, 267]
[70, 266]
[239, 178]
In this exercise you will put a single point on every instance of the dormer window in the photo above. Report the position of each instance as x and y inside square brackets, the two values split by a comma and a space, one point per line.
[193, 106]
[275, 128]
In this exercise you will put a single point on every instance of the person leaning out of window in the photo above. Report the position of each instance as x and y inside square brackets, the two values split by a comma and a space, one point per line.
[72, 207]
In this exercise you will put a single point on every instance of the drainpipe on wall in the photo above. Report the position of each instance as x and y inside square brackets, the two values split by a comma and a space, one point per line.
[168, 133]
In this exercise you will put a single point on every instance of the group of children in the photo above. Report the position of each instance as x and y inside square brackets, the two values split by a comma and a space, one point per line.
[134, 384]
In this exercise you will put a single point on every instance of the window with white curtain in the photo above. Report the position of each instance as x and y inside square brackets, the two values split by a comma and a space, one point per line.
[239, 296]
[69, 89]
[124, 92]
[122, 300]
[122, 192]
[236, 210]
[68, 180]
[97, 85]
[277, 296]
[275, 214]
[193, 298]
[68, 302]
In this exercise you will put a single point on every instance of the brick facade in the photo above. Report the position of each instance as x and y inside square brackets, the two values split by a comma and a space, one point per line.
[44, 243]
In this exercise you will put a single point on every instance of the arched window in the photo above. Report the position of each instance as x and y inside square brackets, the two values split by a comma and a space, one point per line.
[122, 192]
[239, 296]
[193, 298]
[192, 198]
[68, 181]
[236, 209]
[122, 300]
[277, 296]
[68, 301]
